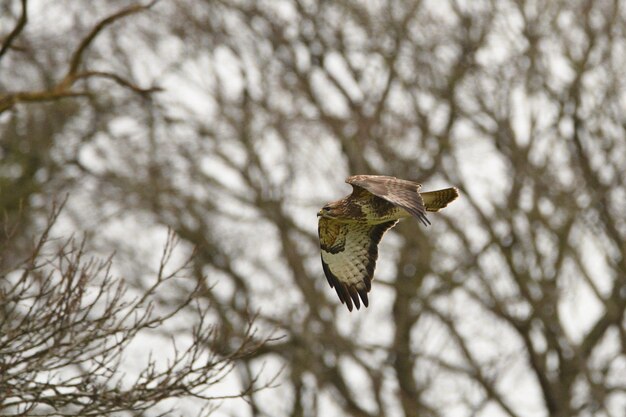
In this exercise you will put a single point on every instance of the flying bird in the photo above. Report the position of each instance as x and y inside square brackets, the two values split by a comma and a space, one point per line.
[350, 229]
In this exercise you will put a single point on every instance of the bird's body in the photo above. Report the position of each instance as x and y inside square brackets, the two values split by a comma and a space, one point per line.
[368, 209]
[350, 228]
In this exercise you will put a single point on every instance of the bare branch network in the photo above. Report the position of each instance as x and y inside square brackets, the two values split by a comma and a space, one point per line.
[65, 328]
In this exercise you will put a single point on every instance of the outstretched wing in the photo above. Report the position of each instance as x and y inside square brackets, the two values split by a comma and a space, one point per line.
[399, 192]
[349, 253]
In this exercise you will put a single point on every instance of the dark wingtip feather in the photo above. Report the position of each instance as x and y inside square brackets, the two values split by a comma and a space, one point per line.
[419, 215]
[363, 294]
[349, 304]
[355, 297]
[345, 295]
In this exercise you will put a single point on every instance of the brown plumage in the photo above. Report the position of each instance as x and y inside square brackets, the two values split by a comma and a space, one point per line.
[436, 200]
[351, 228]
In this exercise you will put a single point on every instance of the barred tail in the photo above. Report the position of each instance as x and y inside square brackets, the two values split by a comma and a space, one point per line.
[436, 200]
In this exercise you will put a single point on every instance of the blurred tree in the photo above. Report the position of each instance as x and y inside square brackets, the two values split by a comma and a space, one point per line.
[33, 165]
[512, 303]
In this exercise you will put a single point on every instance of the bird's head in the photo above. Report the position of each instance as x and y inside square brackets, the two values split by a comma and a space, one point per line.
[330, 211]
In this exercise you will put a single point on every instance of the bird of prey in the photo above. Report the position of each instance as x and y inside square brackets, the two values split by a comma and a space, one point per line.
[350, 229]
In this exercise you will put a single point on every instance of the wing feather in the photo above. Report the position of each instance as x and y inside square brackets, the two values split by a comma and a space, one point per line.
[399, 192]
[349, 254]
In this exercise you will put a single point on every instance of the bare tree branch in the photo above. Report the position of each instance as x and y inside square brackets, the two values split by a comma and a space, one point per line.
[21, 23]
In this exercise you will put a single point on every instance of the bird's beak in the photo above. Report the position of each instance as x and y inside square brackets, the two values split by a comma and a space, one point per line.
[319, 213]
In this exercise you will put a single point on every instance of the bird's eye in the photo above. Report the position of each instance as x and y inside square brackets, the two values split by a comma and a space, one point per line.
[326, 208]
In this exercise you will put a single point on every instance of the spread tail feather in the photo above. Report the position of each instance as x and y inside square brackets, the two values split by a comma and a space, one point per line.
[436, 200]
